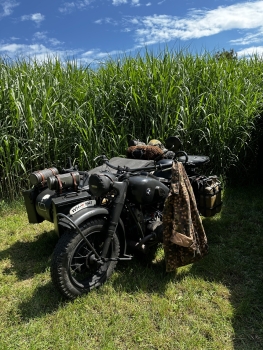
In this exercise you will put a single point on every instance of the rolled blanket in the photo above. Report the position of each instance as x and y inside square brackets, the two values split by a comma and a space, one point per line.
[144, 152]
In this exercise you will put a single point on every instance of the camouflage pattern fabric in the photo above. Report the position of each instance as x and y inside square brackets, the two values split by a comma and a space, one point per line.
[184, 238]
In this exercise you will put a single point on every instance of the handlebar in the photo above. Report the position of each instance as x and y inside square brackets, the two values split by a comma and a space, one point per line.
[184, 154]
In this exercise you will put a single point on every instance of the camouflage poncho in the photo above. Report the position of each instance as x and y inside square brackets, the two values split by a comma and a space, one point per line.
[184, 238]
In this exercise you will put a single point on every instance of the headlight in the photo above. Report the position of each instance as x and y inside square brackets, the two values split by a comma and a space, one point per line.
[100, 183]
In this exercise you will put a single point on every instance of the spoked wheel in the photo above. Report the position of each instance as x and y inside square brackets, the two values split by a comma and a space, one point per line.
[75, 270]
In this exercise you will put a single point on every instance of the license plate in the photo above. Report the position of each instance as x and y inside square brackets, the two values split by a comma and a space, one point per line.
[82, 205]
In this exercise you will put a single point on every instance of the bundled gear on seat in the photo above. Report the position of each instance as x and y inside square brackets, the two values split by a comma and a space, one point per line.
[154, 149]
[144, 152]
[156, 143]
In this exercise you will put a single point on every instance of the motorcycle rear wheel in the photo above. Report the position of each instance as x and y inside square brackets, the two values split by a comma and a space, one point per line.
[74, 269]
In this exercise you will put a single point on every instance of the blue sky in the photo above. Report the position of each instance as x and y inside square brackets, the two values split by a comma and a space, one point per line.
[89, 30]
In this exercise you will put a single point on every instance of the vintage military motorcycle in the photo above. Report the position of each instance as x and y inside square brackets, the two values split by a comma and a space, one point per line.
[110, 213]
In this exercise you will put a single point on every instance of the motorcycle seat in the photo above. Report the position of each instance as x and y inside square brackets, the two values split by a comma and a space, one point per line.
[193, 160]
[122, 162]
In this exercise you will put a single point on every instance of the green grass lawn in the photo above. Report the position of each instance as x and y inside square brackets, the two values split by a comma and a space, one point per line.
[216, 303]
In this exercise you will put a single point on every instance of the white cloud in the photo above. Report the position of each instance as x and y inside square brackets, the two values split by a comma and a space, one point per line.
[106, 20]
[22, 48]
[7, 6]
[119, 2]
[249, 38]
[198, 23]
[42, 53]
[251, 51]
[134, 21]
[96, 54]
[68, 7]
[35, 17]
[42, 36]
[54, 42]
[84, 3]
[36, 51]
[135, 3]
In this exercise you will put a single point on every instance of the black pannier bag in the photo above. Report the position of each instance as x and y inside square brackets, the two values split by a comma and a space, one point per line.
[207, 192]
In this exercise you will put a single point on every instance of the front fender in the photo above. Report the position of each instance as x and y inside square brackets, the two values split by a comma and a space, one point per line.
[80, 217]
[88, 213]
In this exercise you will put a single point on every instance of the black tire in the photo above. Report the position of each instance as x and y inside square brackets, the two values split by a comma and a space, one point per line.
[73, 271]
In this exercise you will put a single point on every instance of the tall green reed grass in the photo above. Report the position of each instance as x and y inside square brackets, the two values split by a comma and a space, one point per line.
[56, 109]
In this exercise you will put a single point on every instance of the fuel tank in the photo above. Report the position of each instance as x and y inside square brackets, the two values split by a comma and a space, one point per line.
[145, 189]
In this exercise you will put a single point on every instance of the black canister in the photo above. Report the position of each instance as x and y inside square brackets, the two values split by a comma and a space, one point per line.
[63, 181]
[40, 176]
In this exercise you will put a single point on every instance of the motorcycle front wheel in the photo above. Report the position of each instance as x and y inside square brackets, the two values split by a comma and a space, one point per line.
[74, 267]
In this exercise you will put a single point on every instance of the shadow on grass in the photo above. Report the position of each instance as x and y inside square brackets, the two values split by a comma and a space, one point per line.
[30, 258]
[235, 259]
[45, 300]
